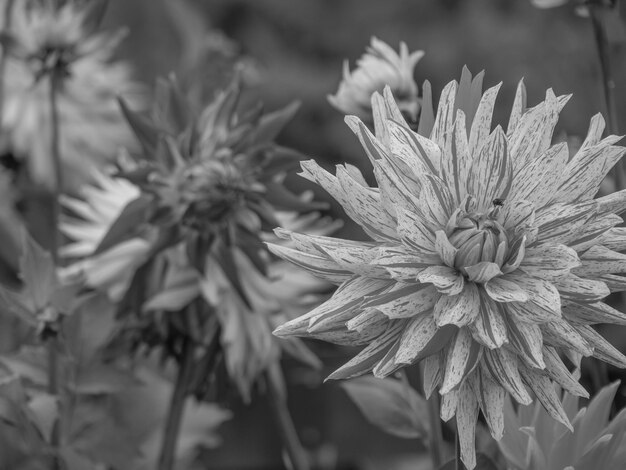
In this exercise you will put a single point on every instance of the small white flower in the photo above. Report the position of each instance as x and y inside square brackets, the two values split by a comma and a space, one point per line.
[380, 66]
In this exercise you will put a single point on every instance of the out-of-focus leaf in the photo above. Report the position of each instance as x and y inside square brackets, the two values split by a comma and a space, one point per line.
[14, 304]
[38, 272]
[143, 410]
[45, 411]
[29, 364]
[97, 379]
[179, 289]
[273, 123]
[390, 405]
[135, 212]
[482, 463]
[146, 133]
[90, 328]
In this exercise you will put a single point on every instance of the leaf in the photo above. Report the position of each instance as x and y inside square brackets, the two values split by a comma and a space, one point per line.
[145, 131]
[38, 272]
[390, 405]
[135, 213]
[483, 462]
[180, 287]
[45, 411]
[96, 379]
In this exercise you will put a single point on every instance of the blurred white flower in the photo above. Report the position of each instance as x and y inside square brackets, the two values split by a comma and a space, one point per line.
[93, 214]
[92, 128]
[379, 66]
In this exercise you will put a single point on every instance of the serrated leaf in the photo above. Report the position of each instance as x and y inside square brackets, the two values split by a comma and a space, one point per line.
[390, 405]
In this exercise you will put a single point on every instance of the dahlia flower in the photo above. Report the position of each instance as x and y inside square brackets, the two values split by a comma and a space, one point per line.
[379, 66]
[182, 227]
[488, 254]
[532, 441]
[43, 40]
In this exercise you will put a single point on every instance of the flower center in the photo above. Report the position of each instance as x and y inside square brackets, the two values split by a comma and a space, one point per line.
[478, 237]
[212, 190]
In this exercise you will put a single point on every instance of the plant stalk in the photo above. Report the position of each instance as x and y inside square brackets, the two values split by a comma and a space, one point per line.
[597, 15]
[6, 26]
[278, 401]
[167, 458]
[53, 367]
[436, 444]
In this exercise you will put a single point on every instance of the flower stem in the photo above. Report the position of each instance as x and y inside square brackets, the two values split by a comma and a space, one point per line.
[6, 26]
[597, 14]
[436, 444]
[56, 214]
[278, 401]
[177, 407]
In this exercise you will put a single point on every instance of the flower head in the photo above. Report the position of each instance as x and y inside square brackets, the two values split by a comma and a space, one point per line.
[379, 66]
[47, 42]
[182, 229]
[488, 256]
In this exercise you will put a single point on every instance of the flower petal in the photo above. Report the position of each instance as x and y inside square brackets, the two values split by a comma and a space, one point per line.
[447, 280]
[481, 124]
[462, 357]
[490, 396]
[544, 390]
[405, 302]
[458, 310]
[502, 289]
[422, 338]
[482, 272]
[560, 374]
[489, 327]
[445, 249]
[503, 367]
[466, 419]
[490, 174]
[549, 261]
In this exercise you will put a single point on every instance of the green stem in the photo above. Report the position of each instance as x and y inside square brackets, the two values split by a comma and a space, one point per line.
[278, 401]
[176, 409]
[597, 14]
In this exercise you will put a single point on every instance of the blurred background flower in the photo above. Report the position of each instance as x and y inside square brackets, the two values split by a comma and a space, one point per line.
[39, 38]
[380, 66]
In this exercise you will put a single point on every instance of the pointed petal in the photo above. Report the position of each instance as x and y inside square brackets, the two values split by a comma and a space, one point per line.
[458, 310]
[447, 280]
[490, 174]
[489, 327]
[466, 419]
[544, 390]
[422, 338]
[481, 124]
[549, 261]
[461, 358]
[502, 289]
[502, 366]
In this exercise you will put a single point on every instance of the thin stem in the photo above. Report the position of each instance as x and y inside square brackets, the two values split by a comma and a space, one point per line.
[6, 26]
[597, 15]
[278, 401]
[457, 452]
[436, 444]
[177, 407]
[56, 212]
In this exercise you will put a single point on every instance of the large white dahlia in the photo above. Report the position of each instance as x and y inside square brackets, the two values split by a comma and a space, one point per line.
[488, 256]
